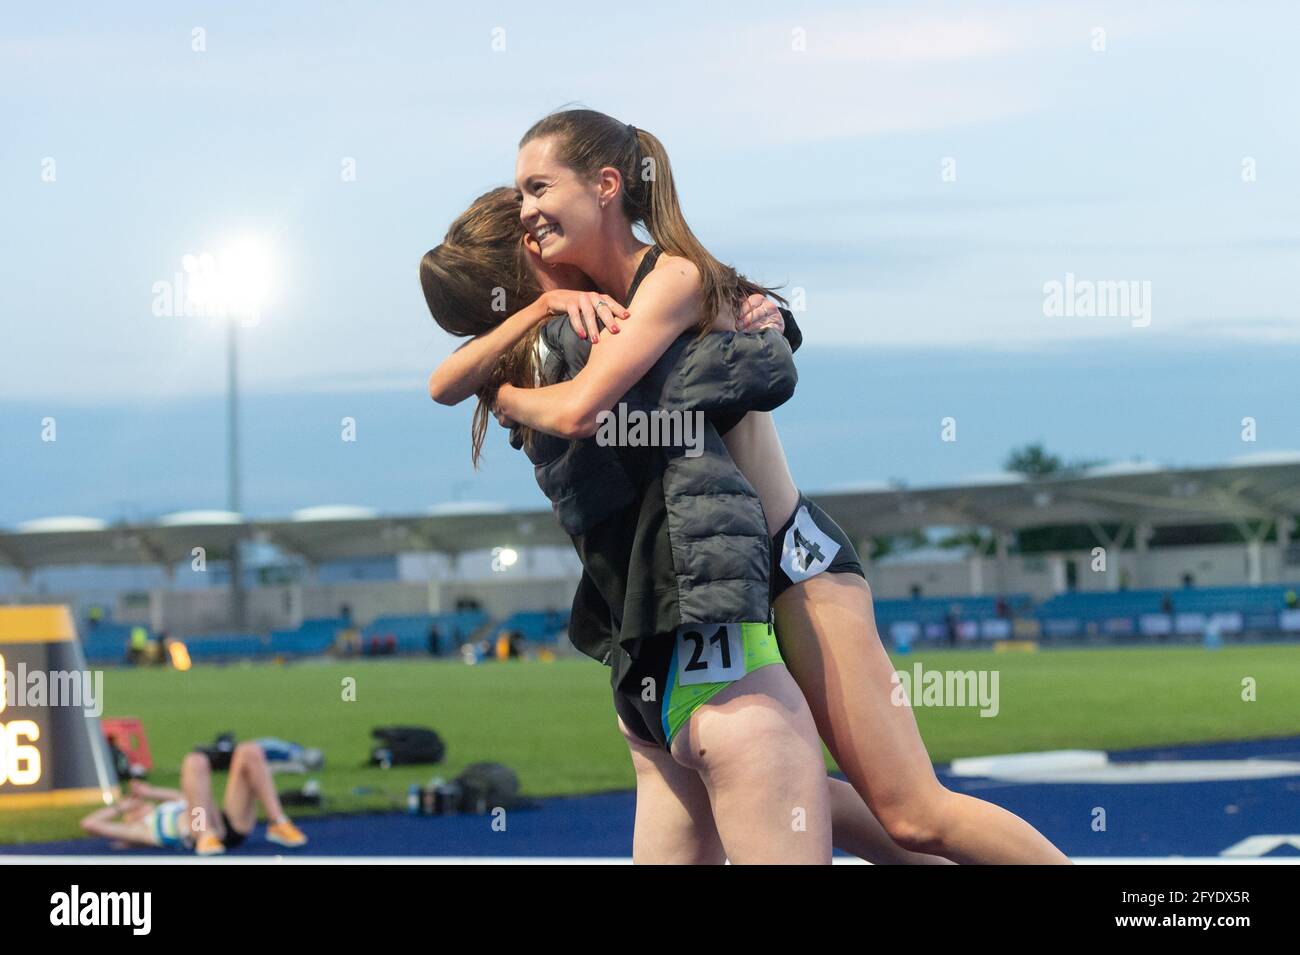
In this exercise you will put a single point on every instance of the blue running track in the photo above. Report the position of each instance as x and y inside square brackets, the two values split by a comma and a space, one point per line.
[1162, 819]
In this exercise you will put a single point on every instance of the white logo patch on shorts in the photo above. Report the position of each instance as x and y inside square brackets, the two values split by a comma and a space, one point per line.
[806, 550]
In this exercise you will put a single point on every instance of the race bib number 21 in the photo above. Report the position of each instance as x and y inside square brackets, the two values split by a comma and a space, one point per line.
[710, 653]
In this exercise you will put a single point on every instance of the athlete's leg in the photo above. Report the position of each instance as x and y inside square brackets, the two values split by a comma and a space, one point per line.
[196, 786]
[674, 823]
[827, 630]
[250, 783]
[855, 830]
[755, 746]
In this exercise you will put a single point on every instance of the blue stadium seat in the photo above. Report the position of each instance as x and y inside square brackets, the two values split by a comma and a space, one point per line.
[538, 626]
[313, 637]
[411, 631]
[1227, 599]
[933, 612]
[1128, 612]
[225, 646]
[107, 642]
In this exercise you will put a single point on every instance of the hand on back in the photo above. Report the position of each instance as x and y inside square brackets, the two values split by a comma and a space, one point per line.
[583, 309]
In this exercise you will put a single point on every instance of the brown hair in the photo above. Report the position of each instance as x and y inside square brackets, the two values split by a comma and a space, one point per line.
[476, 277]
[479, 275]
[589, 141]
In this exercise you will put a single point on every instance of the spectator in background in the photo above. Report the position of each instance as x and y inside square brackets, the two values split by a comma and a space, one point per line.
[164, 648]
[94, 616]
[347, 638]
[954, 624]
[435, 640]
[508, 645]
[382, 645]
[137, 647]
[1290, 598]
[1166, 608]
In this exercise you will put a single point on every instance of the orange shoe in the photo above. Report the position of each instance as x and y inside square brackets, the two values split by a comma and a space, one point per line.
[209, 845]
[286, 834]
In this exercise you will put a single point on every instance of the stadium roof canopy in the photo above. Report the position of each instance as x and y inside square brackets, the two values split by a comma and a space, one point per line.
[1256, 488]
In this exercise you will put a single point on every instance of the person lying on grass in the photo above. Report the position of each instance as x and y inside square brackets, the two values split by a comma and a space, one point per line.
[187, 818]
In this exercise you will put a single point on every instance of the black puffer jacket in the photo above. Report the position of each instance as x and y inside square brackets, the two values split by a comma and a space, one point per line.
[665, 538]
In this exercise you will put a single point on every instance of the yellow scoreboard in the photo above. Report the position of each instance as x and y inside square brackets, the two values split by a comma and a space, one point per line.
[52, 751]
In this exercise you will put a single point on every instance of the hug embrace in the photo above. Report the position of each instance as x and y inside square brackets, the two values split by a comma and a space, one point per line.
[734, 615]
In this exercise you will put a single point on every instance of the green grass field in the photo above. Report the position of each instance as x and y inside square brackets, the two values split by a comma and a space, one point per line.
[554, 724]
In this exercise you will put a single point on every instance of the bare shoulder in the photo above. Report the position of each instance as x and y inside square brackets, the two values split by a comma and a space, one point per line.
[676, 266]
[673, 278]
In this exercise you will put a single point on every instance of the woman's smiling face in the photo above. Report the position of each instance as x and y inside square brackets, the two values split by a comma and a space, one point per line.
[559, 209]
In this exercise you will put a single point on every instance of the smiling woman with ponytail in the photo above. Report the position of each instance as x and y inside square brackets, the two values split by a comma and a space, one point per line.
[483, 271]
[587, 141]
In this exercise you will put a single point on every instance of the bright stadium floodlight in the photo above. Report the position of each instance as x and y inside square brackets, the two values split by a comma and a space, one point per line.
[503, 558]
[245, 272]
[233, 285]
[202, 294]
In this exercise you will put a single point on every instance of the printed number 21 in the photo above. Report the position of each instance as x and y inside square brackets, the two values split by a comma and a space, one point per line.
[719, 639]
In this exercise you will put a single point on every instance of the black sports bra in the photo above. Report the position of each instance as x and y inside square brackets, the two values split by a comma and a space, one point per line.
[647, 264]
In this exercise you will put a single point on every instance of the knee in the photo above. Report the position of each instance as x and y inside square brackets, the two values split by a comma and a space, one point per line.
[246, 754]
[917, 823]
[196, 766]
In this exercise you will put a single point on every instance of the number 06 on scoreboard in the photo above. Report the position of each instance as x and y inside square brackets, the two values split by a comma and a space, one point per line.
[20, 762]
[52, 751]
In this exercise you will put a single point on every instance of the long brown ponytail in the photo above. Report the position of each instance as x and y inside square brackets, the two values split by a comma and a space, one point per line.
[589, 141]
[519, 366]
[476, 277]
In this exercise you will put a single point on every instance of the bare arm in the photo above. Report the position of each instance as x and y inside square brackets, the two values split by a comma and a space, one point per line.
[102, 822]
[668, 303]
[145, 791]
[470, 367]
